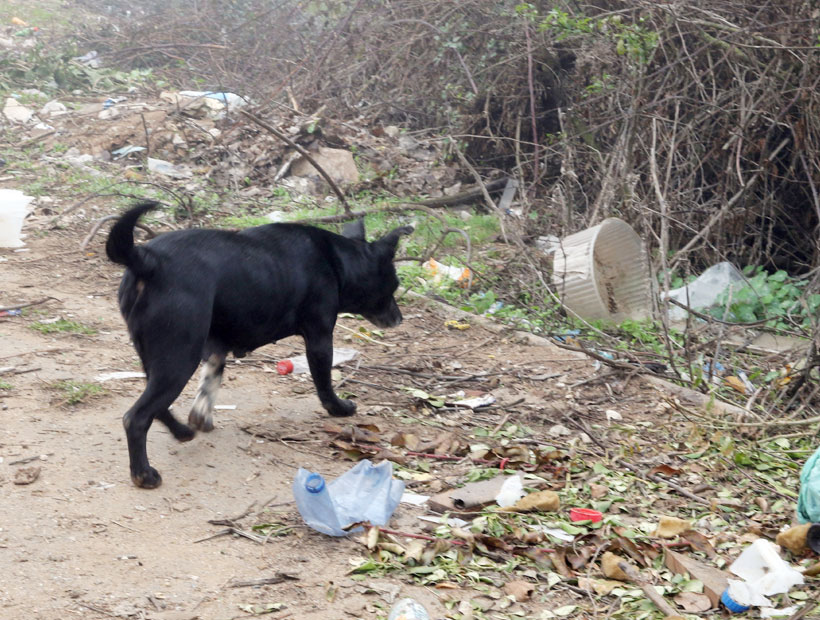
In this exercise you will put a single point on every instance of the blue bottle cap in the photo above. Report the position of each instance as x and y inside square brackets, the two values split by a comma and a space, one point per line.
[731, 604]
[314, 483]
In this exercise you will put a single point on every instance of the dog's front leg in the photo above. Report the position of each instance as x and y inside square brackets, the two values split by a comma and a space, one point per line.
[319, 350]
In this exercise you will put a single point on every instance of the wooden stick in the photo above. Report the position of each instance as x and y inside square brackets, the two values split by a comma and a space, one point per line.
[303, 152]
[648, 589]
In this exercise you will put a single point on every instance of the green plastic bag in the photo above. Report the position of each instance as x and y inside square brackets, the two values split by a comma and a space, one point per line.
[808, 502]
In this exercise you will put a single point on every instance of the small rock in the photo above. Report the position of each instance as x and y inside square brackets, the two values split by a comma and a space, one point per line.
[26, 475]
[16, 112]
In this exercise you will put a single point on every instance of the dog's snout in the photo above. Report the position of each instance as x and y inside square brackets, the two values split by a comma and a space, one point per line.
[391, 317]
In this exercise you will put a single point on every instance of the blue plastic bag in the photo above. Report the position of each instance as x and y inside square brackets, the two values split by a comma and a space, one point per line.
[808, 502]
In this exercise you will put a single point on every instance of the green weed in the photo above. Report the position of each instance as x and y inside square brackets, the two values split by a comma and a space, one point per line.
[5, 386]
[62, 326]
[74, 392]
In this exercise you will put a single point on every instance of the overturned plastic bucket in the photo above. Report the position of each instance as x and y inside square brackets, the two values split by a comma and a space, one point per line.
[602, 273]
[13, 210]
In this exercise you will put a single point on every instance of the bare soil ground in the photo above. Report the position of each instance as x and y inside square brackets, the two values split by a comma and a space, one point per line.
[81, 541]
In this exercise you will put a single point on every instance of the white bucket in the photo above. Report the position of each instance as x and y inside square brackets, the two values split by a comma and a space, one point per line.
[602, 273]
[13, 210]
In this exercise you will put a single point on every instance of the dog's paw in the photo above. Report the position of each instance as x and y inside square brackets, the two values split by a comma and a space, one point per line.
[183, 433]
[148, 479]
[341, 408]
[201, 421]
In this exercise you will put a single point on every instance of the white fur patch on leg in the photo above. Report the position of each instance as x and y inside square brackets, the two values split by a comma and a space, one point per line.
[201, 416]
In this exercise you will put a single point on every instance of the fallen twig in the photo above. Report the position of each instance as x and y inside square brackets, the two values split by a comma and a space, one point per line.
[264, 581]
[26, 305]
[303, 152]
[648, 589]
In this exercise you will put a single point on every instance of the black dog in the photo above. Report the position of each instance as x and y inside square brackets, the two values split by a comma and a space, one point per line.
[200, 294]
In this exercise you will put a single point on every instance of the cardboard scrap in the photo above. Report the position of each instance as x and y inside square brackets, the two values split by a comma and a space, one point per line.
[472, 496]
[714, 580]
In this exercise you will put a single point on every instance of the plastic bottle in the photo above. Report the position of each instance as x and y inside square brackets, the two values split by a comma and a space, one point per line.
[315, 504]
[366, 492]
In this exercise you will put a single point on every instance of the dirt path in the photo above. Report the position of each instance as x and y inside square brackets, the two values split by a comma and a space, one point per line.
[81, 541]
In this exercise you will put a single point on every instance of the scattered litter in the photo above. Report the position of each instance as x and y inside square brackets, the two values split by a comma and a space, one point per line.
[474, 403]
[91, 59]
[16, 112]
[112, 101]
[408, 609]
[225, 407]
[438, 271]
[705, 290]
[555, 533]
[13, 210]
[53, 108]
[414, 499]
[611, 415]
[511, 491]
[475, 495]
[365, 493]
[175, 171]
[764, 573]
[808, 502]
[299, 364]
[670, 527]
[124, 374]
[451, 521]
[585, 514]
[229, 100]
[11, 312]
[126, 150]
[602, 272]
[459, 325]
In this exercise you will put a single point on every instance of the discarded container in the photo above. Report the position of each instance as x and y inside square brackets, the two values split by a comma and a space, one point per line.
[705, 290]
[13, 210]
[808, 502]
[730, 603]
[439, 271]
[408, 609]
[764, 573]
[365, 493]
[585, 514]
[299, 364]
[602, 272]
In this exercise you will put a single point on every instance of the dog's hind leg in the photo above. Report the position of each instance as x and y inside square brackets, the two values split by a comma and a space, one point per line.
[201, 415]
[180, 431]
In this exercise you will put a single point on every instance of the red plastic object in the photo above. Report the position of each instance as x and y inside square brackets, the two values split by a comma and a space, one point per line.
[585, 514]
[284, 367]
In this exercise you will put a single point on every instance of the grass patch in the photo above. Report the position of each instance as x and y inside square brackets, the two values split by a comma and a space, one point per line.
[62, 326]
[5, 386]
[74, 392]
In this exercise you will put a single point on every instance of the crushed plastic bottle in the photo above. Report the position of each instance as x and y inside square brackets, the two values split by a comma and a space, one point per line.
[408, 609]
[366, 492]
[764, 573]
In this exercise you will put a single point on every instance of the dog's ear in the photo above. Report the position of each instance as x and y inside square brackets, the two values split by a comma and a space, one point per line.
[391, 240]
[354, 230]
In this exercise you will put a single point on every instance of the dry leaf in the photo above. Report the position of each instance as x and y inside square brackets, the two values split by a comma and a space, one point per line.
[700, 543]
[794, 539]
[601, 587]
[520, 590]
[610, 568]
[543, 501]
[666, 470]
[693, 602]
[669, 527]
[597, 491]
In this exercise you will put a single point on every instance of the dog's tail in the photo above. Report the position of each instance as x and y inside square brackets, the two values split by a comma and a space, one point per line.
[120, 245]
